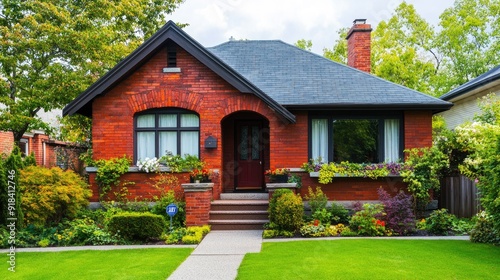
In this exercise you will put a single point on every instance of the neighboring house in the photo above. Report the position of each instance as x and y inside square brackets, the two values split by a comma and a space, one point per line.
[267, 104]
[48, 152]
[465, 97]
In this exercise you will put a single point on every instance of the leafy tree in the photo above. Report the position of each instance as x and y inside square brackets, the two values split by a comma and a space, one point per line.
[303, 44]
[409, 51]
[52, 50]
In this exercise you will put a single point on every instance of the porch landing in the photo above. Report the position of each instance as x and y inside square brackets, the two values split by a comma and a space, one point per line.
[239, 211]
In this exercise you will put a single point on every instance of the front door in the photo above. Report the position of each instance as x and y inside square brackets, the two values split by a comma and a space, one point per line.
[249, 155]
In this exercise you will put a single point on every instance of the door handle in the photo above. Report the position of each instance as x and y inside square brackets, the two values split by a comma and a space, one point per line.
[260, 162]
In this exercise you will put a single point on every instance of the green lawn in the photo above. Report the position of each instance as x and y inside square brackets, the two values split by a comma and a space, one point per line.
[373, 259]
[114, 264]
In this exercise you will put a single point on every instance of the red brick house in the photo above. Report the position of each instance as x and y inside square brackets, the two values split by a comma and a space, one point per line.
[266, 104]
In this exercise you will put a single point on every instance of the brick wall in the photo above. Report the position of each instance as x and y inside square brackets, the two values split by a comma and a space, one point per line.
[418, 129]
[6, 142]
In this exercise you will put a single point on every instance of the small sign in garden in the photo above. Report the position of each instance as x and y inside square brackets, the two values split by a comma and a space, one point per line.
[171, 211]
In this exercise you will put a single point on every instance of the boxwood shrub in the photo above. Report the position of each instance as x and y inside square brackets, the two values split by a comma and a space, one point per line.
[135, 226]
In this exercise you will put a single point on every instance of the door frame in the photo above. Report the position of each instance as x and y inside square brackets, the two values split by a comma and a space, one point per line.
[262, 150]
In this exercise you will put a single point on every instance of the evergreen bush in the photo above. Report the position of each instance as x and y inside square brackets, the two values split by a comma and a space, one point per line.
[135, 226]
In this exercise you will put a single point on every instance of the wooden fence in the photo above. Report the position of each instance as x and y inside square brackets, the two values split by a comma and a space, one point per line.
[460, 196]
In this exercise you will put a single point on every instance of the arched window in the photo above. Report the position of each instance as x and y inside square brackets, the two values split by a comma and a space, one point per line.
[173, 130]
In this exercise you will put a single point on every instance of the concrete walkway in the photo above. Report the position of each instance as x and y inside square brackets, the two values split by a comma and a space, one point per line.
[219, 255]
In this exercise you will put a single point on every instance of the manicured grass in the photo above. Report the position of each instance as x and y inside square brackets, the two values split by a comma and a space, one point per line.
[114, 264]
[373, 259]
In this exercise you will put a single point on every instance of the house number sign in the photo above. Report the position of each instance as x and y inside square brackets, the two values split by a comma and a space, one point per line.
[171, 211]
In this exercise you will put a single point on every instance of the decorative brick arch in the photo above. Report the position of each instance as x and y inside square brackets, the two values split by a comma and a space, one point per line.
[246, 102]
[165, 98]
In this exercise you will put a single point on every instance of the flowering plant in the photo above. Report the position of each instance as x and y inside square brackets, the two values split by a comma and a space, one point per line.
[148, 164]
[200, 174]
[277, 171]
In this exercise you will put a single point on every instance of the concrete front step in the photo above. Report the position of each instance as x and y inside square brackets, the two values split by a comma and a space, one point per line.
[237, 224]
[239, 205]
[239, 215]
[239, 212]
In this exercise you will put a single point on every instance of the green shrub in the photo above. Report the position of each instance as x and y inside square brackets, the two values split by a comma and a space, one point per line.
[44, 242]
[440, 222]
[137, 226]
[484, 230]
[317, 199]
[288, 212]
[109, 173]
[323, 215]
[273, 201]
[340, 215]
[84, 231]
[271, 233]
[175, 236]
[49, 195]
[366, 222]
[190, 235]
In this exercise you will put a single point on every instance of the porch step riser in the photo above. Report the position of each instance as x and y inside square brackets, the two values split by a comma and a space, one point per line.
[219, 207]
[237, 227]
[238, 216]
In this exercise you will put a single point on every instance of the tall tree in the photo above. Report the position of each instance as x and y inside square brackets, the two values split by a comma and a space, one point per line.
[304, 44]
[52, 50]
[409, 51]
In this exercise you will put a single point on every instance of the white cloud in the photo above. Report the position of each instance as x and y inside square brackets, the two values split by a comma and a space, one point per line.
[214, 22]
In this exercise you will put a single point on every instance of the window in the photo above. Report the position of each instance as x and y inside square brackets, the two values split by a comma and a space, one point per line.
[357, 139]
[173, 130]
[23, 145]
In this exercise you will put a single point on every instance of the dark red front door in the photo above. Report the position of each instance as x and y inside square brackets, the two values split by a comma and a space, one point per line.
[249, 156]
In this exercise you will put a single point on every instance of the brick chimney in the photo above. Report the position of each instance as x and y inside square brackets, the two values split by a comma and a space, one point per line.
[359, 45]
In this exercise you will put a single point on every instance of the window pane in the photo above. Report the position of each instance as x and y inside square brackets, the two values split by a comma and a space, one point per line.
[255, 142]
[244, 143]
[146, 121]
[190, 120]
[168, 120]
[190, 143]
[168, 142]
[320, 139]
[145, 145]
[391, 140]
[355, 141]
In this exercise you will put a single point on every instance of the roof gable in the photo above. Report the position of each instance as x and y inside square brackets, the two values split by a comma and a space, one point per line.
[300, 79]
[488, 77]
[83, 103]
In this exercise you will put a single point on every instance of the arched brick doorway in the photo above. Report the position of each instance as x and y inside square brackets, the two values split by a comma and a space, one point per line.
[245, 148]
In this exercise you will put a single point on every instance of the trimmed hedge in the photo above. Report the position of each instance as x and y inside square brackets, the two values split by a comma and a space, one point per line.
[137, 226]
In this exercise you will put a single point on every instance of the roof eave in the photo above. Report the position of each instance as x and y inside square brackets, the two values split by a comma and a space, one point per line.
[435, 108]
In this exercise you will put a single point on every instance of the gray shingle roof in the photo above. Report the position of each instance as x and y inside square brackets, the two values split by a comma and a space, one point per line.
[297, 78]
[492, 75]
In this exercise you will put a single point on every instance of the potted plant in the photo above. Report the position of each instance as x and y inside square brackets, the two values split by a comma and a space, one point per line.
[199, 175]
[278, 175]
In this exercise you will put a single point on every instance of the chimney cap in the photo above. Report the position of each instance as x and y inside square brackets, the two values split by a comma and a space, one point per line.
[359, 21]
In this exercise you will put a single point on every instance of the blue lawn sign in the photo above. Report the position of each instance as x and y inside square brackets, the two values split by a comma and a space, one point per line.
[171, 211]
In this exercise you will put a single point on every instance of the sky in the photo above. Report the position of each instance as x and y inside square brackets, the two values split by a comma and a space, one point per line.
[213, 22]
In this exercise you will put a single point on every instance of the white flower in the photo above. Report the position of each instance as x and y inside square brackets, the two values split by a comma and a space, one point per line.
[148, 165]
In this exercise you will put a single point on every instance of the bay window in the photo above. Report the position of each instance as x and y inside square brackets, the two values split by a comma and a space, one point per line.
[355, 138]
[168, 130]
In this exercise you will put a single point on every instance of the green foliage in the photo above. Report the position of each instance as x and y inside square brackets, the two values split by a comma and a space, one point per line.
[317, 199]
[271, 233]
[366, 222]
[49, 195]
[407, 50]
[373, 171]
[323, 215]
[137, 226]
[109, 173]
[424, 169]
[273, 202]
[190, 235]
[195, 234]
[304, 44]
[295, 179]
[440, 222]
[484, 230]
[287, 212]
[53, 50]
[177, 163]
[179, 220]
[79, 232]
[339, 214]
